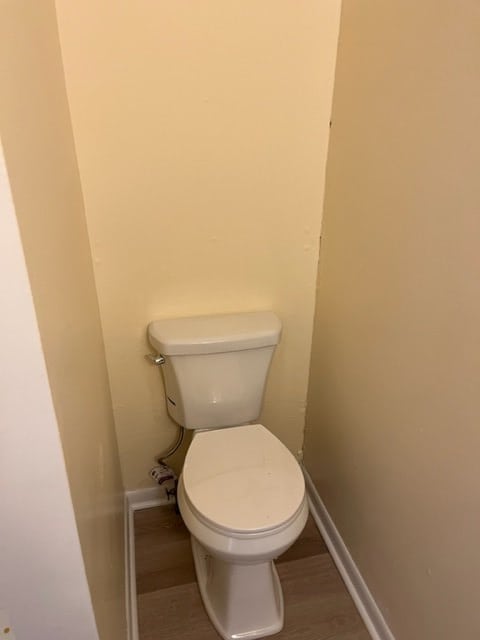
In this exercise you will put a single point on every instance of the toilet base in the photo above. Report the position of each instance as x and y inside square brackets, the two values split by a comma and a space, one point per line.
[243, 601]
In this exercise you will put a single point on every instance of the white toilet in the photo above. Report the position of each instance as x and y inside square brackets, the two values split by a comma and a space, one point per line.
[241, 493]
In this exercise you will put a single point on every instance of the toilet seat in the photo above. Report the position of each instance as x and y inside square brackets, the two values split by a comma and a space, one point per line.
[242, 480]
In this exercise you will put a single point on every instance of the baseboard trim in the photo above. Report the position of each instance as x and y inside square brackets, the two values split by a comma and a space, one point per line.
[356, 585]
[134, 501]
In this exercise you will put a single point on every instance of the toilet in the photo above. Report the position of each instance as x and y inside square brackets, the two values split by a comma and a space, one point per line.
[241, 492]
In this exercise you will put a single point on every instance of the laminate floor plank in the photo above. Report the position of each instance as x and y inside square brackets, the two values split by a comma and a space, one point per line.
[160, 521]
[176, 613]
[163, 555]
[317, 607]
[310, 543]
[317, 604]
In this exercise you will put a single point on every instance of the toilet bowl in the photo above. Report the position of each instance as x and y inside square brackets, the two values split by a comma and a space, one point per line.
[242, 497]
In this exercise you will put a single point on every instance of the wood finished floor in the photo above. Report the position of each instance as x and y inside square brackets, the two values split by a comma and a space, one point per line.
[317, 604]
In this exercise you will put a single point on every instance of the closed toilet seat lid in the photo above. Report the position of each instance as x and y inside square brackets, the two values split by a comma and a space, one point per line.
[242, 479]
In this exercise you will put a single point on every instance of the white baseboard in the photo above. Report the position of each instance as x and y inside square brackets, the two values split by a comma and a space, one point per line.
[363, 599]
[146, 498]
[135, 500]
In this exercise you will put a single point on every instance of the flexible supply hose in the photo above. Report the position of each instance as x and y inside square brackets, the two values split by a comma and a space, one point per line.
[174, 448]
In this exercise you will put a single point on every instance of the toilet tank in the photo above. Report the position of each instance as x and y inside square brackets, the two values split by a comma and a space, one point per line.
[215, 366]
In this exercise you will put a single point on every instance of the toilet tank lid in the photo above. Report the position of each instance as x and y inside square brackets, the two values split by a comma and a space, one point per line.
[215, 333]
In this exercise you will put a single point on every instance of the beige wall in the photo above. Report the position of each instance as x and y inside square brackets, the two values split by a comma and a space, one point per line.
[393, 435]
[201, 130]
[38, 144]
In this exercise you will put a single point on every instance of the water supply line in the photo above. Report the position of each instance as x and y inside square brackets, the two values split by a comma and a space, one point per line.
[181, 432]
[162, 472]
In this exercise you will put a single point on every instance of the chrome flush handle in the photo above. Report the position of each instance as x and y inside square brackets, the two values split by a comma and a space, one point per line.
[155, 358]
